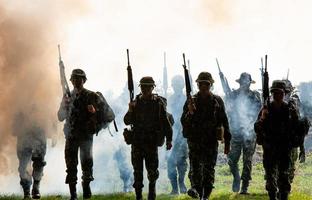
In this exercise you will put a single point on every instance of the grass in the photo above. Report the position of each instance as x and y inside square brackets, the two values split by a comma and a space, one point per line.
[301, 188]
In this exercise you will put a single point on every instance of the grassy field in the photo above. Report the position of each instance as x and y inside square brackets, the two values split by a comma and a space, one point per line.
[302, 187]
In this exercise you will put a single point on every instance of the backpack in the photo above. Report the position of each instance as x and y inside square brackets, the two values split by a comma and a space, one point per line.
[301, 129]
[104, 114]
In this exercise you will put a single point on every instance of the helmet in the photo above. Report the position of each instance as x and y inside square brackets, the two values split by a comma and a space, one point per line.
[205, 77]
[147, 80]
[79, 73]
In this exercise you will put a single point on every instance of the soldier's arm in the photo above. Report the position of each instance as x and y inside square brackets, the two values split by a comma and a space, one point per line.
[62, 111]
[129, 117]
[186, 117]
[166, 123]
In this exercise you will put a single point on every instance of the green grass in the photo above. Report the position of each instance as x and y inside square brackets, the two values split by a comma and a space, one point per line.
[301, 188]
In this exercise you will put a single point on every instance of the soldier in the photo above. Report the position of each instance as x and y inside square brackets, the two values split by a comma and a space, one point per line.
[31, 146]
[243, 108]
[148, 117]
[177, 160]
[203, 120]
[274, 132]
[79, 111]
[292, 98]
[125, 171]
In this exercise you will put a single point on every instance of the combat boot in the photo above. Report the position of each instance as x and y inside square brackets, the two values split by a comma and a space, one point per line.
[272, 196]
[236, 182]
[138, 194]
[283, 195]
[207, 192]
[244, 189]
[35, 193]
[182, 186]
[27, 194]
[86, 190]
[151, 191]
[73, 192]
[174, 185]
[192, 192]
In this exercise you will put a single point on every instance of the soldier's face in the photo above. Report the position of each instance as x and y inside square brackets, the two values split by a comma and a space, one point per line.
[278, 95]
[77, 81]
[147, 89]
[204, 87]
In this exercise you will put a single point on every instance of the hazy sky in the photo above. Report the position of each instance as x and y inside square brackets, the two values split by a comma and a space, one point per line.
[238, 32]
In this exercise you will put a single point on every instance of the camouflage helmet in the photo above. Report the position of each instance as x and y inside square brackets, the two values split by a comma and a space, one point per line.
[246, 78]
[177, 81]
[278, 85]
[289, 87]
[79, 73]
[147, 80]
[205, 77]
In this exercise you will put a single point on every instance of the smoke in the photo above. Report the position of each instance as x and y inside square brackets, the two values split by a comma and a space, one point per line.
[29, 71]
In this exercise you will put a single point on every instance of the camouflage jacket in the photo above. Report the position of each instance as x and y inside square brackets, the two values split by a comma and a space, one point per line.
[208, 116]
[149, 118]
[278, 127]
[80, 123]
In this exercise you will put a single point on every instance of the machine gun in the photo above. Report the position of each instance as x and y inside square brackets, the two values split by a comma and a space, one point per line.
[225, 85]
[65, 87]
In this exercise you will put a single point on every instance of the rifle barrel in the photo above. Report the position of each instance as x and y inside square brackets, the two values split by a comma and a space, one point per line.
[184, 60]
[59, 51]
[128, 57]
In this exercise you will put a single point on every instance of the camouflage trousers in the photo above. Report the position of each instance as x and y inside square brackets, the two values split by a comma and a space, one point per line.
[203, 159]
[72, 146]
[293, 159]
[177, 163]
[26, 153]
[276, 163]
[149, 154]
[247, 147]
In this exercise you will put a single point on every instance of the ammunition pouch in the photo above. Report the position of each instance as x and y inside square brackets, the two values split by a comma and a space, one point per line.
[128, 136]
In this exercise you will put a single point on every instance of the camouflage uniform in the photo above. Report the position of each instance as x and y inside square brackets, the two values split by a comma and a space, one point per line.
[242, 110]
[80, 125]
[293, 99]
[200, 129]
[177, 160]
[274, 134]
[149, 121]
[31, 146]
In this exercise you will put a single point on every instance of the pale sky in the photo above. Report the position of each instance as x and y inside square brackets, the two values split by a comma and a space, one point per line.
[238, 32]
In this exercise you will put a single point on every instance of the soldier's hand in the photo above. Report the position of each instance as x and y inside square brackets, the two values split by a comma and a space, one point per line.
[191, 108]
[264, 113]
[66, 101]
[91, 109]
[302, 157]
[168, 145]
[131, 106]
[227, 149]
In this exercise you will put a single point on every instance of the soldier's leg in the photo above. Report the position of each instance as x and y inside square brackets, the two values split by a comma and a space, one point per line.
[86, 158]
[38, 165]
[24, 158]
[172, 173]
[233, 158]
[137, 163]
[151, 163]
[210, 161]
[182, 168]
[283, 181]
[248, 152]
[270, 167]
[195, 173]
[293, 159]
[71, 160]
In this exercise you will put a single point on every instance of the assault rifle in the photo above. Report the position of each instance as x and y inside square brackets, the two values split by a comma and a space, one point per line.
[225, 85]
[65, 87]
